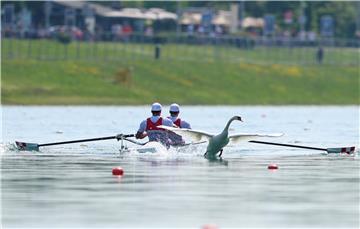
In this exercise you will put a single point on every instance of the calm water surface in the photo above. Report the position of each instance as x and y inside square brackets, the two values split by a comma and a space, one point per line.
[72, 185]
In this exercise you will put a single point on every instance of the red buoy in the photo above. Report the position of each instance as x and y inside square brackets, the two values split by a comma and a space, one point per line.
[210, 226]
[273, 166]
[118, 171]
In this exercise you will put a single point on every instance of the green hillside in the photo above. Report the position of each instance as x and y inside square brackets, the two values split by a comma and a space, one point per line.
[144, 80]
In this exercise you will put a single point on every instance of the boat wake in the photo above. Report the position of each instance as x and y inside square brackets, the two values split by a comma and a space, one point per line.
[155, 149]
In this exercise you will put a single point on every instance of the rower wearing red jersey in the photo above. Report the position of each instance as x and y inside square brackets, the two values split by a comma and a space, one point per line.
[149, 127]
[176, 139]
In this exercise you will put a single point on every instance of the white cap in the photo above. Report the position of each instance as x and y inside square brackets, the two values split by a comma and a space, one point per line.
[174, 108]
[156, 107]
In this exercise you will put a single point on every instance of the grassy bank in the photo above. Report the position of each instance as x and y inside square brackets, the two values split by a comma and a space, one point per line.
[105, 81]
[78, 82]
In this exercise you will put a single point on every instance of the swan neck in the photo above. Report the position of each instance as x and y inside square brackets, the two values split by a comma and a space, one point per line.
[228, 125]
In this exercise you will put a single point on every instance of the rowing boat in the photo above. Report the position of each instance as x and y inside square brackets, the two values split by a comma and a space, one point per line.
[154, 147]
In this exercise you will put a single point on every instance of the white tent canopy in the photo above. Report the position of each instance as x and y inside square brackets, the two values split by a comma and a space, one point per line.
[150, 14]
[252, 22]
[222, 18]
[160, 14]
[190, 18]
[127, 12]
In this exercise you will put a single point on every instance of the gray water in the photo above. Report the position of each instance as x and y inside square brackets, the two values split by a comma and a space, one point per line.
[73, 186]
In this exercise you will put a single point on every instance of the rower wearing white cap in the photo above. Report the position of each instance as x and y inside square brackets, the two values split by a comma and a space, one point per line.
[149, 127]
[176, 139]
[174, 117]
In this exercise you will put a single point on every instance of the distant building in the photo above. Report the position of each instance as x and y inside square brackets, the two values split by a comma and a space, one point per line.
[85, 15]
[105, 17]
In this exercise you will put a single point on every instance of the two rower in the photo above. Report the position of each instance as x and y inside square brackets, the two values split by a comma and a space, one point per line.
[149, 127]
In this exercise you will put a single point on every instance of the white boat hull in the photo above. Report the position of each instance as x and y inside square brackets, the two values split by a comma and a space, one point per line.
[156, 147]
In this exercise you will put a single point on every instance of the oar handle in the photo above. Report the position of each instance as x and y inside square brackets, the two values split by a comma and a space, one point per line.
[86, 140]
[288, 145]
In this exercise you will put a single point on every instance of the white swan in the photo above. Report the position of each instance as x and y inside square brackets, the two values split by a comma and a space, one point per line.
[218, 142]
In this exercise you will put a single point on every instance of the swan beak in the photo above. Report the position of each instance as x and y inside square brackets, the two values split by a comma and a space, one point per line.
[239, 118]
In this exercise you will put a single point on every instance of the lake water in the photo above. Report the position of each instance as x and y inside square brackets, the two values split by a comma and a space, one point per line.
[73, 186]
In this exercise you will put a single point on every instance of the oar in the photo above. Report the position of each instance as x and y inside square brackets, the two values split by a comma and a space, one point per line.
[348, 150]
[35, 146]
[135, 142]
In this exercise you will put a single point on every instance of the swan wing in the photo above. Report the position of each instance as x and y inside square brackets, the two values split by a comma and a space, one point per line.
[195, 135]
[241, 137]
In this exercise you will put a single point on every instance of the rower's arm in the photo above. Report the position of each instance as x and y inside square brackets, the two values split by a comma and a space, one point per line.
[141, 135]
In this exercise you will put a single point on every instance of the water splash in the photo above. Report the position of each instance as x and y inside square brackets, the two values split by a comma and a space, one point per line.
[7, 147]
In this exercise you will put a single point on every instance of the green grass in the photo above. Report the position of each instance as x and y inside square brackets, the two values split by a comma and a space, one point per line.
[189, 78]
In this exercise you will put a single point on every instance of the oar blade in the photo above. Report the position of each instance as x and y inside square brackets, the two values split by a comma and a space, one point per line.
[347, 150]
[27, 146]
